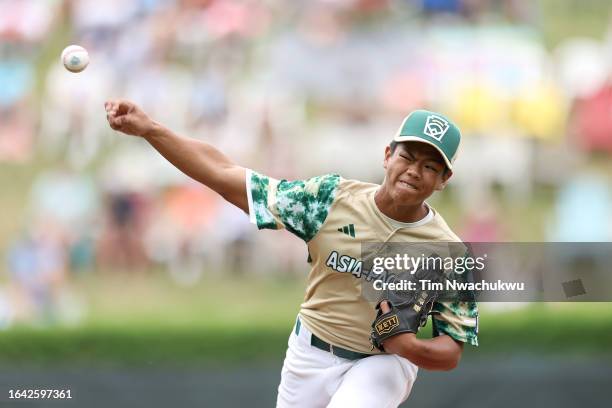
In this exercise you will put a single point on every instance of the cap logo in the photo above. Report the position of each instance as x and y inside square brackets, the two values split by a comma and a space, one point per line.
[436, 127]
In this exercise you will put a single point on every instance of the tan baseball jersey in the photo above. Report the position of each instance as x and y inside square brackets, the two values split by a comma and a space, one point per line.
[334, 216]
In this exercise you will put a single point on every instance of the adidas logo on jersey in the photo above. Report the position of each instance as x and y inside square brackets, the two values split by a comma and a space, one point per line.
[348, 230]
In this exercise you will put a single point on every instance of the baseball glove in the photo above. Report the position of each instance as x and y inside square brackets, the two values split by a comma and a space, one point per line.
[409, 309]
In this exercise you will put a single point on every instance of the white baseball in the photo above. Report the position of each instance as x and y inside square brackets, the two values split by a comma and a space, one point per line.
[75, 58]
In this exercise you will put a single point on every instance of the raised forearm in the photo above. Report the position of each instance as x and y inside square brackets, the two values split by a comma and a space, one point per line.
[438, 353]
[195, 158]
[199, 160]
[202, 162]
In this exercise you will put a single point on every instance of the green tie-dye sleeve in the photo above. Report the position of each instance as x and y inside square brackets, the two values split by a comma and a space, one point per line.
[300, 206]
[457, 319]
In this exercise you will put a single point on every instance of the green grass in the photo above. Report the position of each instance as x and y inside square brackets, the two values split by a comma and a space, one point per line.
[141, 320]
[141, 345]
[534, 331]
[147, 318]
[155, 300]
[554, 328]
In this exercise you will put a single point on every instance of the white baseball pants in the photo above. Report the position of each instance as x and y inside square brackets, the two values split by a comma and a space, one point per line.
[315, 378]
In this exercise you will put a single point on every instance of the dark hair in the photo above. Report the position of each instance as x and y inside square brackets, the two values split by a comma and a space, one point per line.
[394, 144]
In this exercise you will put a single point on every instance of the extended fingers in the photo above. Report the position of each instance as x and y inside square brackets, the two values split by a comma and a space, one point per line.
[111, 108]
[114, 120]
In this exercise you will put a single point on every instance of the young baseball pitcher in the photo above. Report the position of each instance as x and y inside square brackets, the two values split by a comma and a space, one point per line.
[342, 350]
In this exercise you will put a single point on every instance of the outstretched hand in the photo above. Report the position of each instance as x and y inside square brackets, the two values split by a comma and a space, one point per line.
[125, 116]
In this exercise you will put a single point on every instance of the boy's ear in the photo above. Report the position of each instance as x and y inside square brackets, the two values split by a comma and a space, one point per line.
[444, 180]
[387, 156]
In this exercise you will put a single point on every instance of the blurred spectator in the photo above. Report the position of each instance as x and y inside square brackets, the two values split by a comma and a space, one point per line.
[16, 134]
[591, 126]
[482, 222]
[447, 6]
[70, 122]
[70, 201]
[540, 112]
[582, 66]
[67, 197]
[102, 17]
[37, 265]
[6, 313]
[28, 21]
[120, 245]
[497, 160]
[16, 113]
[291, 89]
[16, 77]
[183, 231]
[583, 210]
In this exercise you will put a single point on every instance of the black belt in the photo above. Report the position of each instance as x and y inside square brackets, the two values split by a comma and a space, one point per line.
[325, 346]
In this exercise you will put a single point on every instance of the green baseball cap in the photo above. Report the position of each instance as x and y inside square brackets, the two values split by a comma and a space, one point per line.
[434, 129]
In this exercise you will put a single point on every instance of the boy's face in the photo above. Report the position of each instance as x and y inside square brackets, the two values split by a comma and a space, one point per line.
[413, 172]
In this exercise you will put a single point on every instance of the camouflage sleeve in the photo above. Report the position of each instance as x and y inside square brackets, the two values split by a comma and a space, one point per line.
[457, 319]
[300, 206]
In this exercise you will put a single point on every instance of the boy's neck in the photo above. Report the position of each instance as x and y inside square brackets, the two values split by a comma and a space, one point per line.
[399, 212]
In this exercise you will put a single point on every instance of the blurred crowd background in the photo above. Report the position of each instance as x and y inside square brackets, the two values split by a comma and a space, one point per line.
[292, 89]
